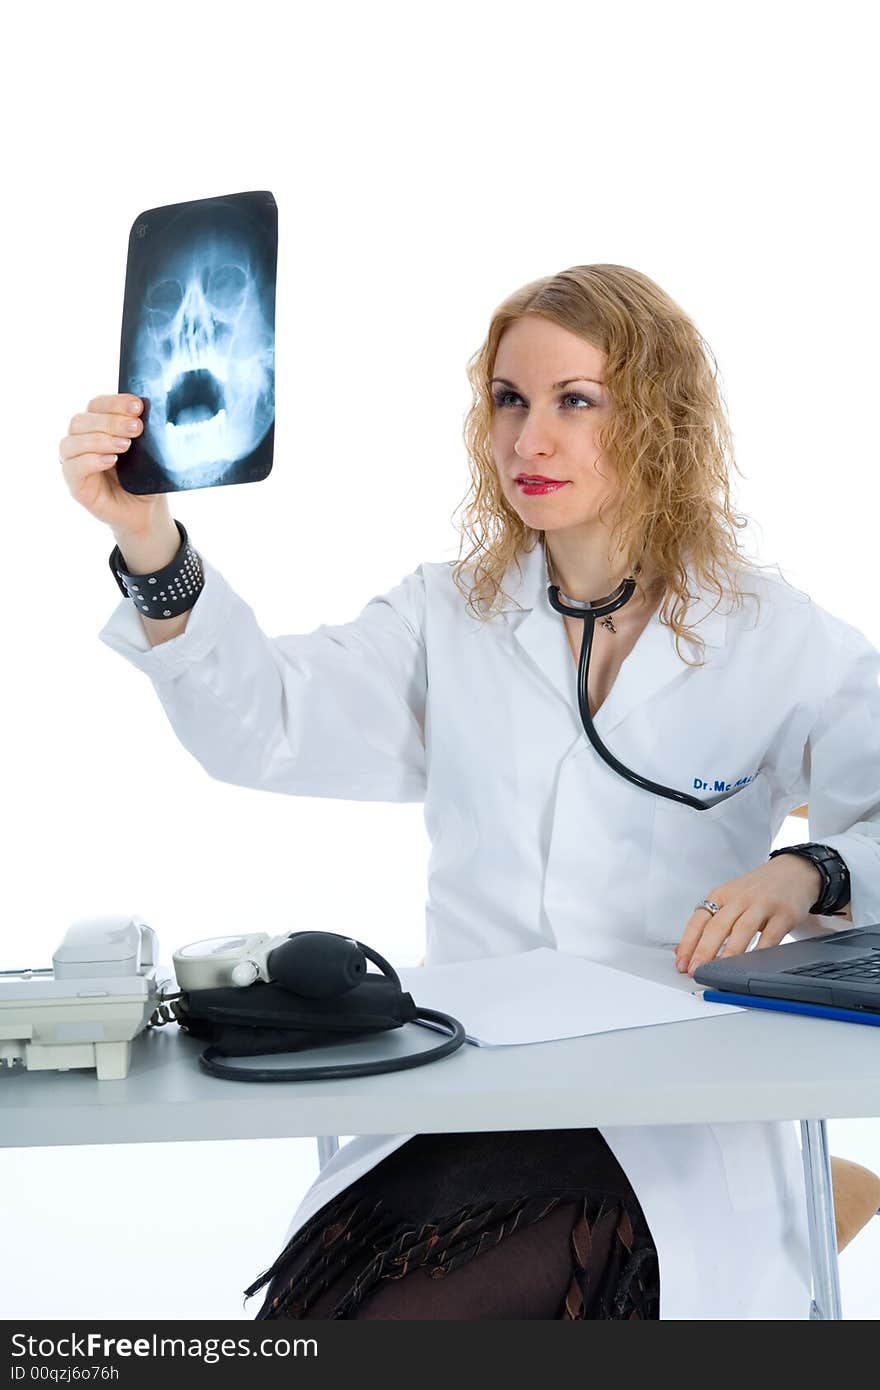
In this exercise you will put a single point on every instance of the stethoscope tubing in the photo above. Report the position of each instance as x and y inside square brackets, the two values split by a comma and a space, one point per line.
[588, 613]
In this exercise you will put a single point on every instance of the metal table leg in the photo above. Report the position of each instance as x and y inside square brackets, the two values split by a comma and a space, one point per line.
[328, 1145]
[820, 1219]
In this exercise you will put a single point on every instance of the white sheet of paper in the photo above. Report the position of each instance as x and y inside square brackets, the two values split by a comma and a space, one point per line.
[541, 995]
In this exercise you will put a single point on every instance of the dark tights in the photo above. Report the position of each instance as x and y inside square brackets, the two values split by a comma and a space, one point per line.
[527, 1275]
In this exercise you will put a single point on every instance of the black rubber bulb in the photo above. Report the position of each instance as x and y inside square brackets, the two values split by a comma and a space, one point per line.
[317, 964]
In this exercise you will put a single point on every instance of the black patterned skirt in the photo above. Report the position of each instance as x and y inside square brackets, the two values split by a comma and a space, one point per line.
[529, 1224]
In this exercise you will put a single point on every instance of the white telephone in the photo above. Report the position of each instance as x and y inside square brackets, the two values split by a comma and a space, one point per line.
[85, 1011]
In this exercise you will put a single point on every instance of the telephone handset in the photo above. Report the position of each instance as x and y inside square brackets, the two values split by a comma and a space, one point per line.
[101, 991]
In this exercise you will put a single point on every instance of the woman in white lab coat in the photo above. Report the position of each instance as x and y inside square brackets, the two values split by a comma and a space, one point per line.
[458, 688]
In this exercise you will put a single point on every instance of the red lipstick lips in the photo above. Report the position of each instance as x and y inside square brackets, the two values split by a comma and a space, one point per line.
[534, 485]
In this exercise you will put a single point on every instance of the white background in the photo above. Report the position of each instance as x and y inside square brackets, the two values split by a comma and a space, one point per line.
[425, 162]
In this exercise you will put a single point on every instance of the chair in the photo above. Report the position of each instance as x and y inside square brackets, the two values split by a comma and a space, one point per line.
[856, 1198]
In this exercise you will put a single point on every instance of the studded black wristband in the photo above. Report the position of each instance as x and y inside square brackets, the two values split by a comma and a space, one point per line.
[836, 888]
[166, 592]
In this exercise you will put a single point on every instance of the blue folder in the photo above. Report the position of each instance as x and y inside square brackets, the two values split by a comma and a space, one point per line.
[791, 1006]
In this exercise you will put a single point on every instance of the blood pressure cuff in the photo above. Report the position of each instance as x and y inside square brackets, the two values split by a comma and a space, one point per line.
[263, 1018]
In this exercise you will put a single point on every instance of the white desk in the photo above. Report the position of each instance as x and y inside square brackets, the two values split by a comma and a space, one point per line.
[747, 1066]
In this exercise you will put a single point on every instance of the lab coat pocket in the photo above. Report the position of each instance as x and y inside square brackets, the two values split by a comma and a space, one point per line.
[693, 851]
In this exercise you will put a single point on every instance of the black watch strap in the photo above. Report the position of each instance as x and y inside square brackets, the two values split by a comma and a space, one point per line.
[165, 592]
[836, 889]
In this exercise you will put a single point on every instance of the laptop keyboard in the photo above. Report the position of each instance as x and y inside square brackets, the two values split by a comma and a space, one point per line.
[859, 968]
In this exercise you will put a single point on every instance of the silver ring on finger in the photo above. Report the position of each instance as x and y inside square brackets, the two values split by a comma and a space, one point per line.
[708, 905]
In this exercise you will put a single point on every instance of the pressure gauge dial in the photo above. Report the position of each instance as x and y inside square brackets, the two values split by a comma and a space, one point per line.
[213, 963]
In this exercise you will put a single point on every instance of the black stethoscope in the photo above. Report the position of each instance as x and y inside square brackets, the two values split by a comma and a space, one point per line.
[588, 612]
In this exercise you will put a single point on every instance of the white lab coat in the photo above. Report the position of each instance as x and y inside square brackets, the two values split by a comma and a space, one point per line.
[535, 841]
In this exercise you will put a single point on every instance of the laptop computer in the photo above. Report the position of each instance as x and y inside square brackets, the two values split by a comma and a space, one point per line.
[840, 970]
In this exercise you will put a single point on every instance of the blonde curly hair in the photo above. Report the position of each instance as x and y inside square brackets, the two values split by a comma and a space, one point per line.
[667, 436]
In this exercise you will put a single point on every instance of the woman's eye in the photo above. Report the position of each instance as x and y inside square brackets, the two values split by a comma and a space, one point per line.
[501, 398]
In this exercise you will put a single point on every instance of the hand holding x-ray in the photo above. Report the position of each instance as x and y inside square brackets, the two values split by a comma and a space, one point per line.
[198, 343]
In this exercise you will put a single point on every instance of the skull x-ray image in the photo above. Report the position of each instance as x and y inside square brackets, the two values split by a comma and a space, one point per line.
[198, 343]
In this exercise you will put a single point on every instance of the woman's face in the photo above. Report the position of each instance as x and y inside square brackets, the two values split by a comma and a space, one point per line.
[541, 429]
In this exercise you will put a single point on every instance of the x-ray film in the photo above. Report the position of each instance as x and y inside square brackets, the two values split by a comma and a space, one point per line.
[198, 343]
